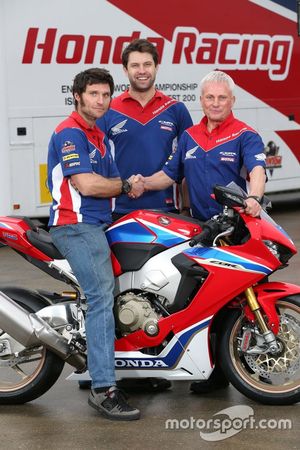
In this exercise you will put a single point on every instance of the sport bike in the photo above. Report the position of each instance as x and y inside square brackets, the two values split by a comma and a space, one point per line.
[187, 296]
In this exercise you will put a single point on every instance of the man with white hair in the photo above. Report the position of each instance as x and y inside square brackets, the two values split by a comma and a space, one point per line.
[218, 150]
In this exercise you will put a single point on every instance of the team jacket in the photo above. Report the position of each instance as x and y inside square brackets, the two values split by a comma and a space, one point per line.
[226, 154]
[142, 138]
[76, 148]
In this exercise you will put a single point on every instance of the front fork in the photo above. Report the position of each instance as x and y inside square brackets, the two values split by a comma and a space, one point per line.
[255, 310]
[268, 335]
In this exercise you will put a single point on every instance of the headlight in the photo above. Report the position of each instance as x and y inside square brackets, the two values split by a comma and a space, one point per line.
[279, 251]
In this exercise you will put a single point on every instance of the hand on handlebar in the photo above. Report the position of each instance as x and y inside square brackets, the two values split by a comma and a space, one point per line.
[252, 207]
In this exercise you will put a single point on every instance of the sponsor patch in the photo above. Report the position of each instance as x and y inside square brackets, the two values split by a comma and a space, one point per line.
[226, 159]
[73, 164]
[71, 156]
[165, 125]
[68, 147]
[260, 157]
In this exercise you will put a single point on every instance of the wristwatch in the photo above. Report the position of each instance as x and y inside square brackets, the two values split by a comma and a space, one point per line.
[126, 187]
[256, 197]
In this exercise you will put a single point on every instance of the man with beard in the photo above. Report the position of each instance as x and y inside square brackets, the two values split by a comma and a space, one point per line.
[143, 126]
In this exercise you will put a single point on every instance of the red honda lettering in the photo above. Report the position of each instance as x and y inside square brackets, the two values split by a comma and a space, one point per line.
[46, 46]
[63, 47]
[181, 47]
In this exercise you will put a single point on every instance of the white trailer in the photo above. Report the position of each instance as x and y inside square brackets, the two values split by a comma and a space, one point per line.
[44, 44]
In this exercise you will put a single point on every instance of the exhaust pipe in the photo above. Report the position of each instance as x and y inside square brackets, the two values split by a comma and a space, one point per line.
[30, 330]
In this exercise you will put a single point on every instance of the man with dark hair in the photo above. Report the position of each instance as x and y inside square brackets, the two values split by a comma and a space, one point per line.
[143, 126]
[141, 46]
[82, 178]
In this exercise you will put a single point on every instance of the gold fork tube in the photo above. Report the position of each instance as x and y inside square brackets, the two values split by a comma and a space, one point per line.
[255, 308]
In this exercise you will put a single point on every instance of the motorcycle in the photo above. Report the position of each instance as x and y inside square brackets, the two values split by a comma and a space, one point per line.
[187, 296]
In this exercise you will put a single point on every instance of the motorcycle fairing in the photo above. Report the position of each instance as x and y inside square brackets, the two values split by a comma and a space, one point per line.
[174, 362]
[215, 256]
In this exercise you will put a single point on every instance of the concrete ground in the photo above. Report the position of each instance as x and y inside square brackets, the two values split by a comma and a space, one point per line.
[61, 419]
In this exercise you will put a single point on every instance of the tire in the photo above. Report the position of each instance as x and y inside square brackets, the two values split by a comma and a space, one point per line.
[265, 378]
[24, 381]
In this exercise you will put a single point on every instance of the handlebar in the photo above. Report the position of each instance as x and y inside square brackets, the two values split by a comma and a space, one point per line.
[210, 230]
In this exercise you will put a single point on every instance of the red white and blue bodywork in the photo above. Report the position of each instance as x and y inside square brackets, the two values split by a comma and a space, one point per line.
[154, 264]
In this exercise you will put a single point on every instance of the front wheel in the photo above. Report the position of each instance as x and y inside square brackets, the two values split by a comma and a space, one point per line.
[264, 377]
[25, 373]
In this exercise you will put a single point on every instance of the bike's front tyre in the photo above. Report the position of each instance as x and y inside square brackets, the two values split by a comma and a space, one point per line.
[265, 377]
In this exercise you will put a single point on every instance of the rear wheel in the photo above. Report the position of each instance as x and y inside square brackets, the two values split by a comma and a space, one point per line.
[267, 378]
[25, 373]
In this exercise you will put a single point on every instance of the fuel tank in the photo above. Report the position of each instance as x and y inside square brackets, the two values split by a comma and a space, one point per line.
[138, 236]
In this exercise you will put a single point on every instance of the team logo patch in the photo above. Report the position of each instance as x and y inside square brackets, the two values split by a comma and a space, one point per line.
[260, 157]
[117, 129]
[163, 220]
[68, 147]
[190, 153]
[92, 156]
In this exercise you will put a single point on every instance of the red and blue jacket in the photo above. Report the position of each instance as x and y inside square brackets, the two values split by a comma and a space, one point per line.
[75, 148]
[228, 153]
[142, 139]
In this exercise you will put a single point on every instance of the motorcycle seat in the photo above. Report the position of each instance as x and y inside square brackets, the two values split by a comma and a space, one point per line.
[42, 240]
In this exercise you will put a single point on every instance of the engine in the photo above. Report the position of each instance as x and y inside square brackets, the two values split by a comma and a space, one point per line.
[134, 312]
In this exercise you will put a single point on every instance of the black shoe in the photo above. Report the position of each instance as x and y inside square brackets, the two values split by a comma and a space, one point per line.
[144, 384]
[113, 404]
[84, 384]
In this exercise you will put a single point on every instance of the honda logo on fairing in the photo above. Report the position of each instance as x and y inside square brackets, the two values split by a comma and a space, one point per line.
[142, 363]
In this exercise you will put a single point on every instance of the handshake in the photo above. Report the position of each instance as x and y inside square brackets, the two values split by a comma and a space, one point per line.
[137, 186]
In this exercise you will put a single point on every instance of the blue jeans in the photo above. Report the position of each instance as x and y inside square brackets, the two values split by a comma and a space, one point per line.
[86, 249]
